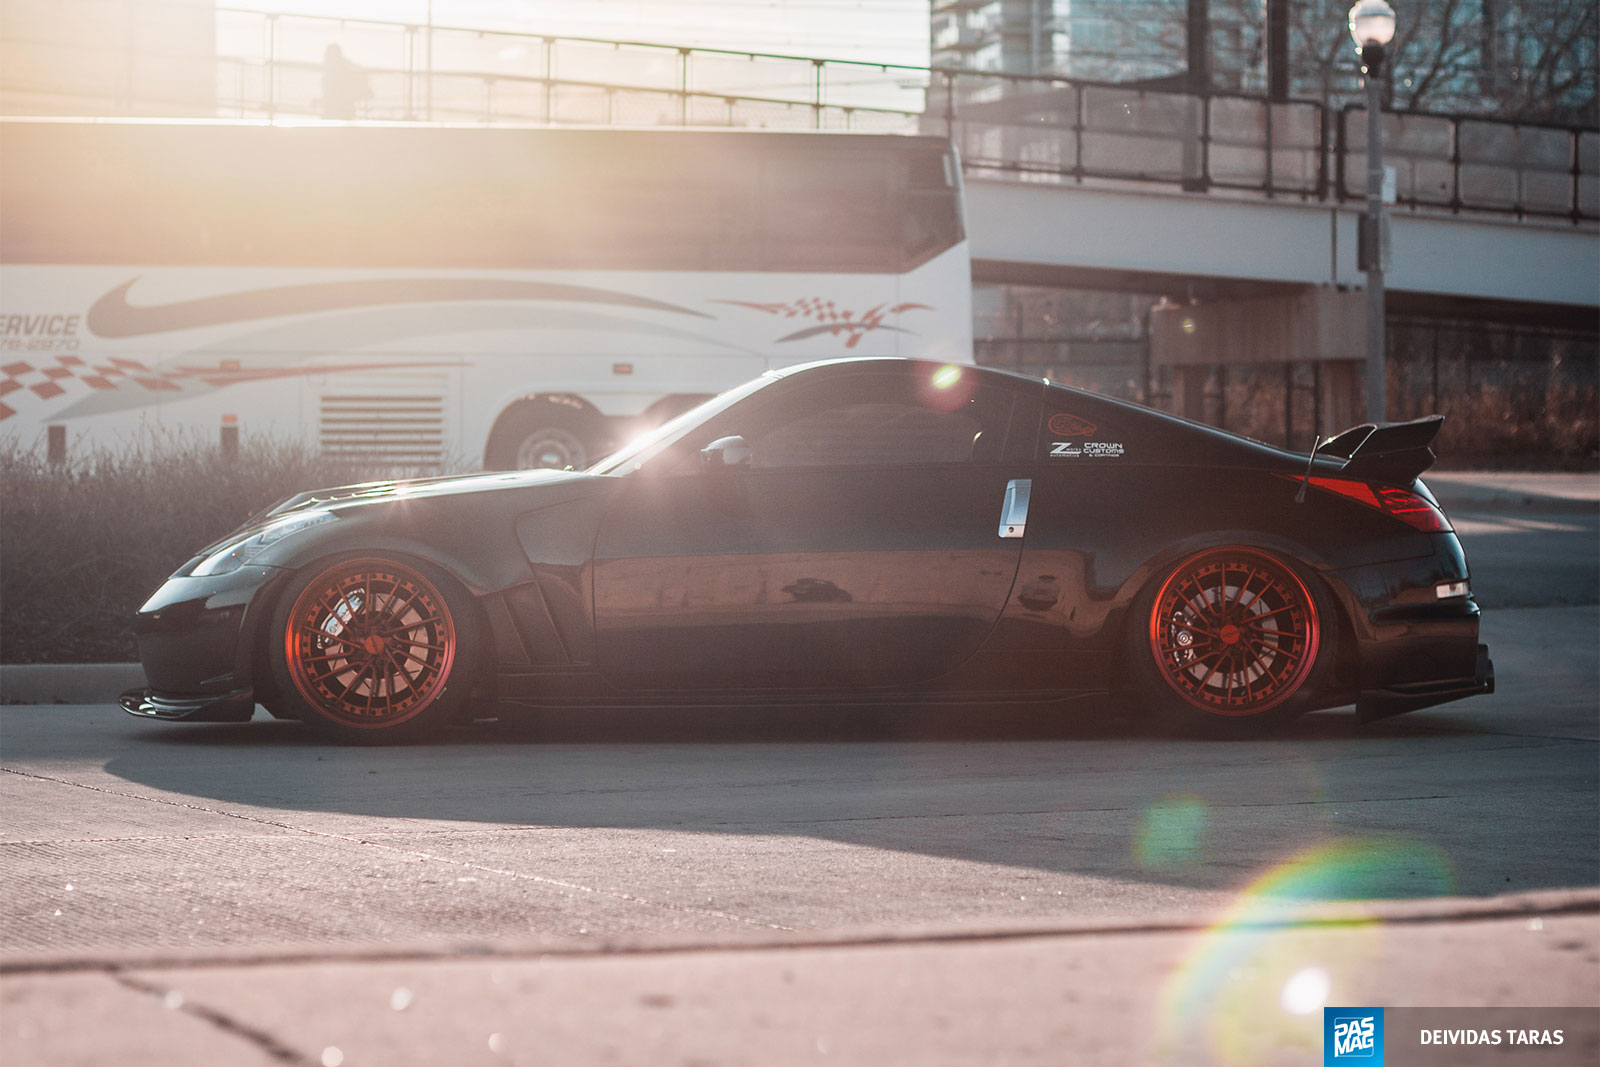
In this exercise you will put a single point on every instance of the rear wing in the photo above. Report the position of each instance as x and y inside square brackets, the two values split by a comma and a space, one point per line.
[1394, 453]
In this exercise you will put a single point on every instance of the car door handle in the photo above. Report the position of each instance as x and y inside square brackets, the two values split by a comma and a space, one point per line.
[1014, 510]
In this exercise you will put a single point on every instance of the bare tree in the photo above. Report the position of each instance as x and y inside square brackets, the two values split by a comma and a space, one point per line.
[1539, 59]
[1533, 60]
[1523, 59]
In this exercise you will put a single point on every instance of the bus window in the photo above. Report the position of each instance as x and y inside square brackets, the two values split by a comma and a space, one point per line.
[829, 208]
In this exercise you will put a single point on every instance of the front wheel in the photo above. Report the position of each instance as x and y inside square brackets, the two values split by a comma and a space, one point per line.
[370, 647]
[1232, 638]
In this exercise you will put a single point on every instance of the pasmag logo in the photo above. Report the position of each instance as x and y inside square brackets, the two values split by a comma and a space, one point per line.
[1352, 1035]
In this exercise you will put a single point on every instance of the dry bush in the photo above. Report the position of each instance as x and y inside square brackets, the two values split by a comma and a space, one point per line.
[1511, 417]
[82, 544]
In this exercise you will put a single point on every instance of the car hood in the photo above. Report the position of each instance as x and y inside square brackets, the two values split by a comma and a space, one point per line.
[546, 486]
[415, 489]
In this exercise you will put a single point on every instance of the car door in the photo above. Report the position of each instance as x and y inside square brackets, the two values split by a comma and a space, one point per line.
[859, 546]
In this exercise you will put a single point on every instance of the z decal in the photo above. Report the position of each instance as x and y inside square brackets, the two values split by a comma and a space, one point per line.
[1087, 449]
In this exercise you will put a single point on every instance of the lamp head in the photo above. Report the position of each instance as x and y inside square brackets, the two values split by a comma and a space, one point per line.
[1371, 23]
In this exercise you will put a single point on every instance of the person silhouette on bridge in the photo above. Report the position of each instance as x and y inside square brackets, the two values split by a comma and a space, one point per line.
[344, 85]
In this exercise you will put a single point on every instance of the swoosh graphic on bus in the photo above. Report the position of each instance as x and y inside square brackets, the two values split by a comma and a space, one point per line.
[296, 345]
[113, 316]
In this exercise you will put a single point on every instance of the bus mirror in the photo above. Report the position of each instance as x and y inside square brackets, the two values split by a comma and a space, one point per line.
[725, 453]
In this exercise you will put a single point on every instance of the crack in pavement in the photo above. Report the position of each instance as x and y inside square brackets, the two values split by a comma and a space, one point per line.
[576, 887]
[261, 1039]
[1358, 915]
[137, 839]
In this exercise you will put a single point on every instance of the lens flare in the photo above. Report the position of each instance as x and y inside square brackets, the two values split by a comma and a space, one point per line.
[1306, 991]
[1249, 990]
[946, 376]
[1170, 833]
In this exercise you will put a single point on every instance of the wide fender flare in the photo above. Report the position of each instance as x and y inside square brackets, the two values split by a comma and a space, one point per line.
[480, 551]
[1170, 555]
[252, 625]
[250, 666]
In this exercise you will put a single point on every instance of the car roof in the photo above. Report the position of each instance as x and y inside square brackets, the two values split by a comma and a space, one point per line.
[867, 362]
[1155, 419]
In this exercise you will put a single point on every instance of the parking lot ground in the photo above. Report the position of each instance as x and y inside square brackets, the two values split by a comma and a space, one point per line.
[1108, 993]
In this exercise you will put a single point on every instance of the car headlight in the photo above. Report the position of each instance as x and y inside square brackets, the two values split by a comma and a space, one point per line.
[236, 552]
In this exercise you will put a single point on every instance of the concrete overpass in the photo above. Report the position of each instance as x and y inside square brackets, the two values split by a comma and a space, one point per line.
[1253, 279]
[1215, 245]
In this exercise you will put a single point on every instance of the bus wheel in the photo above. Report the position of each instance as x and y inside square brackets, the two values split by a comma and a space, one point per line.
[542, 436]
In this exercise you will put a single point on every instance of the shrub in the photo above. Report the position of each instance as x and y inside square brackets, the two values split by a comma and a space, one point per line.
[83, 543]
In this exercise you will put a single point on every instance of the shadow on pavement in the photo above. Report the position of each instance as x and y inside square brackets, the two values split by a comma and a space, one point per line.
[1090, 721]
[1065, 792]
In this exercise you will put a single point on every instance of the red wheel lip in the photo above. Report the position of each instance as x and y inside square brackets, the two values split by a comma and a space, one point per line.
[294, 634]
[1312, 639]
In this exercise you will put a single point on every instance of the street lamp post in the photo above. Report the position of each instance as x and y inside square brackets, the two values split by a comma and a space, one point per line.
[1372, 28]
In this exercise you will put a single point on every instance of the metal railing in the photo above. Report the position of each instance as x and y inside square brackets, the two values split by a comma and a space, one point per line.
[1461, 163]
[272, 64]
[1057, 129]
[1025, 128]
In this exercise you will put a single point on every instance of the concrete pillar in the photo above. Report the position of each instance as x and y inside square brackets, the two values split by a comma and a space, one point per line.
[1343, 395]
[1189, 392]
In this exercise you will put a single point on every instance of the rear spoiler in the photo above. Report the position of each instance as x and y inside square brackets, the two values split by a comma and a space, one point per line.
[1394, 453]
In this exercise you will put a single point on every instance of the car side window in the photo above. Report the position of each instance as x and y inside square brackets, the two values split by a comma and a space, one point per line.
[870, 433]
[1073, 430]
[882, 421]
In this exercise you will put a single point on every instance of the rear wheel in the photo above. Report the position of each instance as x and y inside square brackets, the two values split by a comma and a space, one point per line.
[1233, 637]
[371, 647]
[544, 435]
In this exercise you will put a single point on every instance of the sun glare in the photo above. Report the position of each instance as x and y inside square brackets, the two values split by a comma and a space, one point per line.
[1306, 991]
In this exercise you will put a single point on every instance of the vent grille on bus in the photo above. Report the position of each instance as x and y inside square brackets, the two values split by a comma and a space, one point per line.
[406, 431]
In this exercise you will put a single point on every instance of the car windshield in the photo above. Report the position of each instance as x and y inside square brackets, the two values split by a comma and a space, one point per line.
[637, 452]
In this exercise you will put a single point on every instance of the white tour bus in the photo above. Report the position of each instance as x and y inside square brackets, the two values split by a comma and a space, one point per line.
[433, 296]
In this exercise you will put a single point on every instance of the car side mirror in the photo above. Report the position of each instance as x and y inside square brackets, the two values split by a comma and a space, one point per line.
[725, 453]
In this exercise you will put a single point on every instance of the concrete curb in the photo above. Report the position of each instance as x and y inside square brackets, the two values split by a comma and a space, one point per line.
[1565, 492]
[1269, 916]
[67, 683]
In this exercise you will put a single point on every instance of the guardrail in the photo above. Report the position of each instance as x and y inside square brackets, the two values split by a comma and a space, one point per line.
[272, 64]
[1021, 127]
[1462, 163]
[1057, 129]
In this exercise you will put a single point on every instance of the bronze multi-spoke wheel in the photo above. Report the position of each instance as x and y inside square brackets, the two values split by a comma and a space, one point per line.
[1232, 633]
[371, 645]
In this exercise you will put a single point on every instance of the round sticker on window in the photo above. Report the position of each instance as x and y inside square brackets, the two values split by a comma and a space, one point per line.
[1064, 425]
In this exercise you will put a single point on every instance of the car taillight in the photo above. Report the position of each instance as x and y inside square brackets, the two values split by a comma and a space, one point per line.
[1410, 508]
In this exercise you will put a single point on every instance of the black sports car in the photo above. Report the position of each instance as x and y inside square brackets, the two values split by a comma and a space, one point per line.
[856, 530]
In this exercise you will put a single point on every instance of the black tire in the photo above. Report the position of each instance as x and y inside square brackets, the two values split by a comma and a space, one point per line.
[373, 648]
[1231, 639]
[544, 435]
